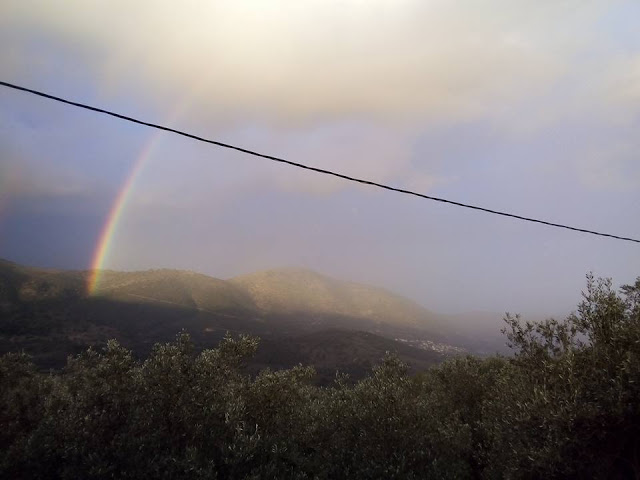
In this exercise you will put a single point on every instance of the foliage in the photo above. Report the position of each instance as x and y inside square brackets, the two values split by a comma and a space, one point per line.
[566, 405]
[569, 403]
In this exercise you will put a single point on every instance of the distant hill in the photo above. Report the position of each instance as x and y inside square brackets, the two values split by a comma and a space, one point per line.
[294, 291]
[302, 316]
[176, 287]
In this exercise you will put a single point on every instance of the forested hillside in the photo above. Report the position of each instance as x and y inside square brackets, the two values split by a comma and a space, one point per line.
[301, 317]
[566, 405]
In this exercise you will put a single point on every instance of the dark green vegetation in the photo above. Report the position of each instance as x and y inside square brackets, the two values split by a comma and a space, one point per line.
[566, 405]
[300, 316]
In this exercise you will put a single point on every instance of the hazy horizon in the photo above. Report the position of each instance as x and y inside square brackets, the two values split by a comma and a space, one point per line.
[526, 107]
[484, 315]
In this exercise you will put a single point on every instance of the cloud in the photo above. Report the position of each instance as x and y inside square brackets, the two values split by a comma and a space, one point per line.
[360, 151]
[312, 60]
[298, 75]
[611, 169]
[208, 175]
[20, 177]
[622, 84]
[33, 160]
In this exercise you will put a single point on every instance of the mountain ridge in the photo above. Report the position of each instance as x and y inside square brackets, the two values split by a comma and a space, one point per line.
[49, 313]
[292, 290]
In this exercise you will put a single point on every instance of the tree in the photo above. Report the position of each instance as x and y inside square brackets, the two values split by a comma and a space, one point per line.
[569, 403]
[566, 405]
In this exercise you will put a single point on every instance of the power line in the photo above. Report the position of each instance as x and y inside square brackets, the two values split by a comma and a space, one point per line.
[307, 167]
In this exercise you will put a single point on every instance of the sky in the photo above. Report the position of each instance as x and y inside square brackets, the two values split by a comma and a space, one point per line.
[530, 107]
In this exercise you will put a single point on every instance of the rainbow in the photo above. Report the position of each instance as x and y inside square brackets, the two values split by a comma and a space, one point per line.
[119, 205]
[107, 233]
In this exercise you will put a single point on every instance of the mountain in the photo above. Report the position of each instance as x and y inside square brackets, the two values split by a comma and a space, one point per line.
[294, 291]
[310, 298]
[300, 315]
[176, 287]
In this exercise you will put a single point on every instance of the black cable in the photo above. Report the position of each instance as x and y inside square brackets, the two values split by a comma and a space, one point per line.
[306, 167]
